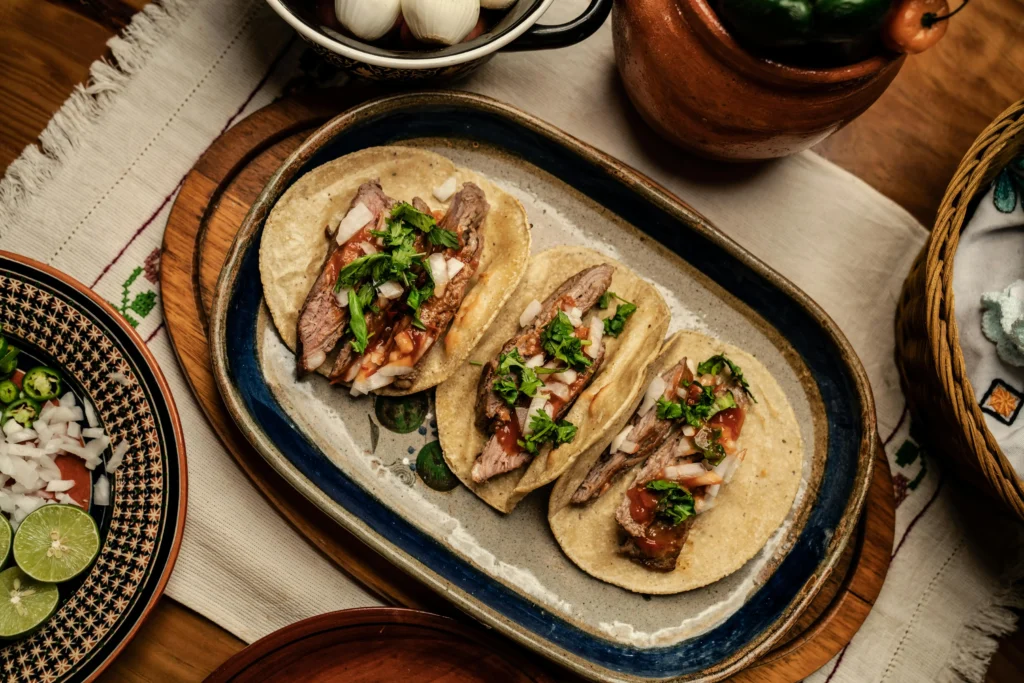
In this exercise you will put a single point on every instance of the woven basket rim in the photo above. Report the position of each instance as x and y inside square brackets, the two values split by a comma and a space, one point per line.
[1002, 140]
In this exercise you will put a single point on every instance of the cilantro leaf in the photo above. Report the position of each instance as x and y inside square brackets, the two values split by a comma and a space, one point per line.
[359, 269]
[714, 452]
[507, 389]
[605, 299]
[528, 384]
[675, 503]
[614, 325]
[714, 365]
[357, 323]
[669, 410]
[443, 238]
[560, 341]
[415, 299]
[407, 213]
[545, 430]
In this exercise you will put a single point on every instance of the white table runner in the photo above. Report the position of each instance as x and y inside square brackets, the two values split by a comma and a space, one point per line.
[93, 199]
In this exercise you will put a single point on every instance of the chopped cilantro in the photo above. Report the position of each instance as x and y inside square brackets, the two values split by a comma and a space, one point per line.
[560, 341]
[357, 323]
[443, 238]
[507, 389]
[417, 295]
[614, 325]
[545, 430]
[408, 213]
[714, 365]
[675, 503]
[714, 453]
[507, 386]
[476, 363]
[669, 410]
[605, 299]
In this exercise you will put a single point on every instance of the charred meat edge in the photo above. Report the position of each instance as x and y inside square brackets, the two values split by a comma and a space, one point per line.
[322, 321]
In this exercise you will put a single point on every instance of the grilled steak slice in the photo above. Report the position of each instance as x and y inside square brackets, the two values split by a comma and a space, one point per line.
[581, 290]
[321, 320]
[495, 459]
[648, 434]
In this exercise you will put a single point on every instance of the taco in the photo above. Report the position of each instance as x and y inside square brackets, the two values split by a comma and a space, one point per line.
[383, 268]
[693, 484]
[557, 368]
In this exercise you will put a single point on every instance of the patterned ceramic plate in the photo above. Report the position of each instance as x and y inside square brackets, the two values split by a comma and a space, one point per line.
[371, 465]
[57, 321]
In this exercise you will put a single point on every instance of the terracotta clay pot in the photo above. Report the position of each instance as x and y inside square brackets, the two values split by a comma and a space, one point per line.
[700, 89]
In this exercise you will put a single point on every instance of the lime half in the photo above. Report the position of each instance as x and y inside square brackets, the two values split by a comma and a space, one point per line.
[5, 540]
[24, 603]
[56, 543]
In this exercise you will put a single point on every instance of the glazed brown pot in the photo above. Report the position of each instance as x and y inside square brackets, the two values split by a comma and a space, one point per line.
[700, 89]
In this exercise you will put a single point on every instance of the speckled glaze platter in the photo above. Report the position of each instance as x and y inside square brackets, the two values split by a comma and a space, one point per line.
[356, 460]
[57, 321]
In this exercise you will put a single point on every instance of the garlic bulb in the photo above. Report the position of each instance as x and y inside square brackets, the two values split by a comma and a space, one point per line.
[441, 21]
[496, 4]
[368, 19]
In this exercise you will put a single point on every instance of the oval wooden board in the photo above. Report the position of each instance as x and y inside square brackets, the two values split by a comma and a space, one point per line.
[209, 209]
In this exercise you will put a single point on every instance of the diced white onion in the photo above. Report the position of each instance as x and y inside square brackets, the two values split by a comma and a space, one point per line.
[44, 414]
[11, 427]
[390, 289]
[439, 271]
[530, 313]
[620, 438]
[371, 383]
[689, 431]
[90, 414]
[354, 221]
[118, 377]
[341, 297]
[702, 504]
[93, 433]
[454, 267]
[655, 390]
[367, 248]
[22, 436]
[596, 335]
[68, 400]
[685, 447]
[74, 430]
[558, 389]
[535, 361]
[521, 415]
[117, 457]
[575, 316]
[315, 359]
[62, 414]
[712, 491]
[395, 370]
[630, 447]
[101, 491]
[722, 469]
[568, 376]
[60, 485]
[67, 500]
[687, 470]
[445, 190]
[691, 365]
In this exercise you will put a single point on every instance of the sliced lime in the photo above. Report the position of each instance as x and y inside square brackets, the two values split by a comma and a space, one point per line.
[5, 540]
[56, 543]
[24, 603]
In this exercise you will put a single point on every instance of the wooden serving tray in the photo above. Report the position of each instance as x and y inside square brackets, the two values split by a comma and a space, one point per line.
[213, 201]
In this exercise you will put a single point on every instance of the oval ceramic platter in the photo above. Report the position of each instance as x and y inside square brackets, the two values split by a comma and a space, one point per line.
[57, 322]
[356, 459]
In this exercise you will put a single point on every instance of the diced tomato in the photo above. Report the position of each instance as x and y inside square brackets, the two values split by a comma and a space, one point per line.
[730, 419]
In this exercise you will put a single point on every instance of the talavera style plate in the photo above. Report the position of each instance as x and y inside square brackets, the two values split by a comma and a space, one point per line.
[356, 458]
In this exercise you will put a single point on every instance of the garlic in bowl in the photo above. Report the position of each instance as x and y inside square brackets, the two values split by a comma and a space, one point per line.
[441, 21]
[369, 39]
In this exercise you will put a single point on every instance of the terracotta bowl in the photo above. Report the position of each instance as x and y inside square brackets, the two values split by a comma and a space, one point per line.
[700, 89]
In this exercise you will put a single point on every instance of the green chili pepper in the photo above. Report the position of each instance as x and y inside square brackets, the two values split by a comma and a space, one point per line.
[24, 411]
[8, 392]
[41, 384]
[782, 23]
[9, 362]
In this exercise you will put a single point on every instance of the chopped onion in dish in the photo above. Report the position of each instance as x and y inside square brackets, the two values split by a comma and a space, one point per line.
[712, 491]
[535, 361]
[685, 447]
[341, 297]
[68, 400]
[367, 248]
[620, 438]
[117, 457]
[22, 436]
[723, 468]
[93, 433]
[521, 415]
[530, 313]
[67, 500]
[62, 414]
[395, 370]
[455, 266]
[575, 316]
[567, 376]
[655, 390]
[371, 383]
[558, 389]
[439, 271]
[689, 431]
[11, 427]
[691, 365]
[596, 335]
[101, 491]
[316, 359]
[687, 470]
[702, 504]
[539, 403]
[630, 447]
[118, 377]
[390, 289]
[60, 485]
[74, 430]
[353, 222]
[90, 414]
[445, 190]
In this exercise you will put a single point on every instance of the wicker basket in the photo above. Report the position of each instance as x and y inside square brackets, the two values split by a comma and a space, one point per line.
[928, 353]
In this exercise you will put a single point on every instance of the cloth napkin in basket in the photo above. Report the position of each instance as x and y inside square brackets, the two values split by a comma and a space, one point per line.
[92, 199]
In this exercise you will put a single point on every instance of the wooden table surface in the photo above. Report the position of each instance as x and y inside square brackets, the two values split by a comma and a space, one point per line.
[906, 146]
